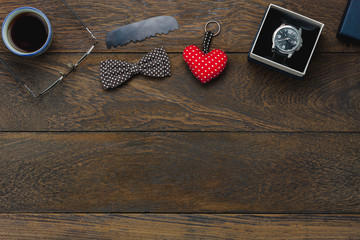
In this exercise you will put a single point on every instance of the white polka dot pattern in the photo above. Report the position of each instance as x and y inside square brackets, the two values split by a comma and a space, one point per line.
[205, 66]
[154, 64]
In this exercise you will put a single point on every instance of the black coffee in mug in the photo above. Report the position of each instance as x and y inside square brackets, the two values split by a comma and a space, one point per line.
[28, 32]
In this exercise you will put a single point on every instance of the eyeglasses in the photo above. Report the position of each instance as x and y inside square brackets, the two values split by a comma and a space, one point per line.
[71, 66]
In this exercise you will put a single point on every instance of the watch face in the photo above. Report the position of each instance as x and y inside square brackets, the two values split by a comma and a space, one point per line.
[287, 39]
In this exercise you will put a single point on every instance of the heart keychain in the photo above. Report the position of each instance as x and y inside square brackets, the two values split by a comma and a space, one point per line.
[206, 65]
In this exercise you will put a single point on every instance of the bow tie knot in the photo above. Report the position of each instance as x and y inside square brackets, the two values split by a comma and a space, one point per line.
[154, 64]
[134, 69]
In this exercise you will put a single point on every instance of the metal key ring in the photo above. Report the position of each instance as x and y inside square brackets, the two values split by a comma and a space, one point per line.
[206, 25]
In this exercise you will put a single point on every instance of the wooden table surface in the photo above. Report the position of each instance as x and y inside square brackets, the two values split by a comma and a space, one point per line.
[253, 154]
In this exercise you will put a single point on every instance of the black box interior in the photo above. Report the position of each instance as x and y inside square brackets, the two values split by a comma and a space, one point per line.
[309, 35]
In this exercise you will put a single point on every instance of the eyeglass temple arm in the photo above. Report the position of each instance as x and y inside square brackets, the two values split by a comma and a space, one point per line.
[72, 66]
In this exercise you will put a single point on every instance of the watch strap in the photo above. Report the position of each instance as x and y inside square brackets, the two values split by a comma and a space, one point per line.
[290, 22]
[303, 25]
[279, 57]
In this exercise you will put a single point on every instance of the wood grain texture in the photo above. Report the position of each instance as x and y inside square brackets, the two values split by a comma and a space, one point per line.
[252, 141]
[180, 172]
[246, 97]
[239, 20]
[183, 226]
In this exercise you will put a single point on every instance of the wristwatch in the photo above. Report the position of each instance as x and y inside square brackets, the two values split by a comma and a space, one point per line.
[286, 40]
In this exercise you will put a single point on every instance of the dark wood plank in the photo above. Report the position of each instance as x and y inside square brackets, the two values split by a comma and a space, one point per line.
[180, 172]
[246, 97]
[239, 19]
[183, 226]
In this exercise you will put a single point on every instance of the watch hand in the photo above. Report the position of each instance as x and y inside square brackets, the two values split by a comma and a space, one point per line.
[284, 39]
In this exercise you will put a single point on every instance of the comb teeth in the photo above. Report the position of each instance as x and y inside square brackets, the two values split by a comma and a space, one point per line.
[146, 37]
[140, 31]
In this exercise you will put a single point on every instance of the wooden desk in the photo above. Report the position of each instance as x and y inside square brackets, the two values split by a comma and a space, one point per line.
[253, 154]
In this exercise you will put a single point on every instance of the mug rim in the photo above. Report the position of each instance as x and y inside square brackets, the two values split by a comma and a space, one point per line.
[12, 48]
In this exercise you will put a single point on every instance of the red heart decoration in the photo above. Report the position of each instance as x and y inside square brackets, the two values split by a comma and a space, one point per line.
[205, 66]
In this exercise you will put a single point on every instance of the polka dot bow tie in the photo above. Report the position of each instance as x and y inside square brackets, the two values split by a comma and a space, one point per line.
[156, 63]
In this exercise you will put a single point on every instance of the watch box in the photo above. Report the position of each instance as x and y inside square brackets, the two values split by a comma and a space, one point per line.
[349, 29]
[262, 48]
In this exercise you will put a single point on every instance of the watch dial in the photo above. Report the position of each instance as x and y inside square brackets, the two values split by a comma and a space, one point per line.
[286, 39]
